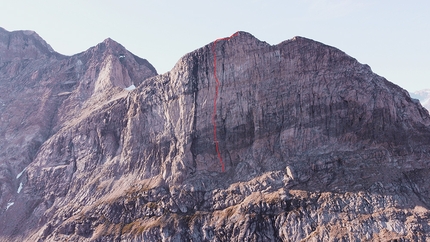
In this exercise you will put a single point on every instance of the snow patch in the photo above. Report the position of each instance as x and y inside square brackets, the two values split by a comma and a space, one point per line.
[130, 88]
[8, 205]
[19, 188]
[20, 174]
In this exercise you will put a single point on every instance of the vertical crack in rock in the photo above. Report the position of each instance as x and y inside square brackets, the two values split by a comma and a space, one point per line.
[317, 146]
[195, 91]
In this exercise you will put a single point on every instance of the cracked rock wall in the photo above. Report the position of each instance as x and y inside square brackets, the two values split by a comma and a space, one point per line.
[317, 147]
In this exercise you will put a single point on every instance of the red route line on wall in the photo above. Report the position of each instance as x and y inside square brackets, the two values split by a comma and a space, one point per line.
[215, 99]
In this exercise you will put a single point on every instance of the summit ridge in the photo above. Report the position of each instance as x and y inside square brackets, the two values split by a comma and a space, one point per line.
[316, 146]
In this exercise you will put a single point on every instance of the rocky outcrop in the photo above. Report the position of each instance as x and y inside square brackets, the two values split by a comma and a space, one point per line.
[316, 147]
[41, 92]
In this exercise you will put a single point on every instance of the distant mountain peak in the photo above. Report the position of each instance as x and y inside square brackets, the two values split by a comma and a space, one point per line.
[110, 42]
[24, 44]
[423, 96]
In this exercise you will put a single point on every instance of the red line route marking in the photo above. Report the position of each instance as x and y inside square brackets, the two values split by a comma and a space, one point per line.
[215, 99]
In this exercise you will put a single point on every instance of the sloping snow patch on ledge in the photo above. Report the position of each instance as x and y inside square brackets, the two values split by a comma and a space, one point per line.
[130, 88]
[8, 205]
[20, 174]
[19, 188]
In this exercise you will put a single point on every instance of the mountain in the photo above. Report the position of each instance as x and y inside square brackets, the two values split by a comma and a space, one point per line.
[315, 146]
[43, 93]
[423, 96]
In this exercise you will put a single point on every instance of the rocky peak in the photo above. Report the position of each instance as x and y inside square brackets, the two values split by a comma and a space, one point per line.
[115, 67]
[41, 92]
[112, 43]
[23, 44]
[246, 38]
[108, 46]
[316, 146]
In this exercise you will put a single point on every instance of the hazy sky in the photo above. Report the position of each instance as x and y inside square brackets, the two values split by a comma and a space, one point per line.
[391, 36]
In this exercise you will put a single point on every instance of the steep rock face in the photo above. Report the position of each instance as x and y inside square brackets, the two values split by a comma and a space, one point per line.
[316, 146]
[42, 91]
[23, 45]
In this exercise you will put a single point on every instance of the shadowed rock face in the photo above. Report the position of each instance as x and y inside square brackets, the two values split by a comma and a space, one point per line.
[43, 92]
[316, 147]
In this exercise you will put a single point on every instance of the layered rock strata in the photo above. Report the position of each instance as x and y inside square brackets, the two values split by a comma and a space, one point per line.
[316, 147]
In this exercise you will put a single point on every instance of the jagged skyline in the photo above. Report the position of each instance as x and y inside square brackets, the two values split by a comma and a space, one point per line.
[389, 36]
[315, 145]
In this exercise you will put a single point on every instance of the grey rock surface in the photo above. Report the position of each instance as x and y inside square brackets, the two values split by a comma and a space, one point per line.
[317, 147]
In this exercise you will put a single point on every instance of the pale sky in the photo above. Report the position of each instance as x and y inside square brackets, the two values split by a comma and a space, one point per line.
[391, 36]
